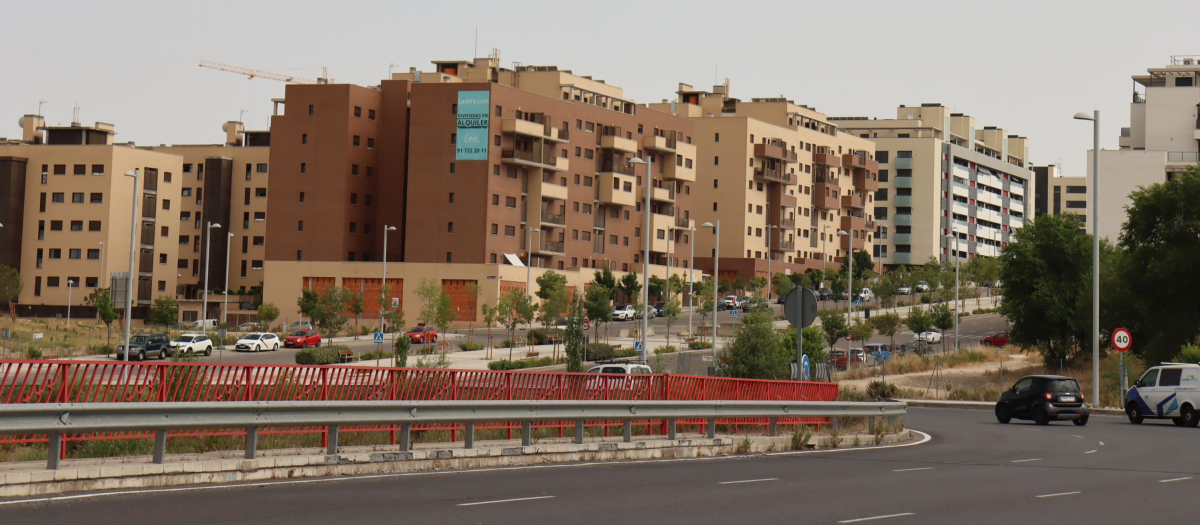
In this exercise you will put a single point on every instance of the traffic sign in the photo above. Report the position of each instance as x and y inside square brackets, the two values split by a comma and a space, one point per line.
[378, 338]
[37, 336]
[806, 366]
[1121, 339]
[800, 307]
[587, 325]
[733, 314]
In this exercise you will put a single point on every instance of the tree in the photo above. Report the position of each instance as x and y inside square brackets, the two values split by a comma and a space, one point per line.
[1047, 271]
[724, 285]
[598, 305]
[943, 319]
[658, 287]
[862, 330]
[309, 303]
[165, 311]
[525, 311]
[331, 310]
[491, 315]
[757, 283]
[267, 314]
[474, 291]
[739, 284]
[702, 297]
[833, 323]
[548, 283]
[919, 321]
[604, 277]
[782, 284]
[355, 304]
[676, 285]
[102, 301]
[754, 351]
[573, 336]
[10, 288]
[436, 308]
[506, 314]
[400, 349]
[552, 290]
[887, 325]
[670, 313]
[631, 286]
[814, 344]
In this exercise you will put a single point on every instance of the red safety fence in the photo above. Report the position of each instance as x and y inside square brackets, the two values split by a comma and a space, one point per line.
[121, 382]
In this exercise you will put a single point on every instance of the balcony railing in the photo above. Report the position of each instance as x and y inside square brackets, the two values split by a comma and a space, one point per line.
[787, 245]
[1183, 156]
[681, 222]
[826, 159]
[613, 164]
[598, 244]
[554, 247]
[599, 219]
[553, 218]
[787, 223]
[772, 175]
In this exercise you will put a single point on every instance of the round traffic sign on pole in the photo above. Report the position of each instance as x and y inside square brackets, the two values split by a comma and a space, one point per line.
[1121, 339]
[587, 325]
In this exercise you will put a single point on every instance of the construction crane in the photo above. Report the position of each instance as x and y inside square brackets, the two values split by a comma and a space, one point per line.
[271, 75]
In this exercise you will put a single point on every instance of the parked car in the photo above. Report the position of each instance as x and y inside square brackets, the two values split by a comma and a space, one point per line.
[882, 352]
[637, 313]
[866, 295]
[191, 344]
[620, 368]
[203, 324]
[658, 308]
[838, 358]
[422, 334]
[300, 325]
[931, 337]
[732, 301]
[142, 346]
[1043, 398]
[1168, 391]
[825, 294]
[303, 339]
[904, 290]
[998, 340]
[257, 342]
[249, 327]
[623, 313]
[922, 287]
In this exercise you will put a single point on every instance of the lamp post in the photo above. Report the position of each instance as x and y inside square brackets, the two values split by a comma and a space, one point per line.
[70, 285]
[824, 254]
[1095, 118]
[649, 162]
[382, 287]
[850, 287]
[956, 286]
[102, 279]
[771, 276]
[529, 259]
[209, 225]
[137, 181]
[716, 271]
[691, 272]
[225, 303]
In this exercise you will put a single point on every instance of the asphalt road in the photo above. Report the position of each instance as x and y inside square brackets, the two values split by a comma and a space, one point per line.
[973, 470]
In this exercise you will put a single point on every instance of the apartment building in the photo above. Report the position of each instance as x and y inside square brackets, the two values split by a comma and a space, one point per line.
[67, 217]
[782, 179]
[939, 173]
[1055, 193]
[1163, 138]
[223, 184]
[476, 164]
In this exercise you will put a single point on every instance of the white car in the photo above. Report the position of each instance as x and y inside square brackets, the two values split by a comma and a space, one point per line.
[922, 287]
[192, 344]
[930, 337]
[905, 290]
[1169, 391]
[624, 313]
[257, 342]
[866, 294]
[620, 368]
[637, 313]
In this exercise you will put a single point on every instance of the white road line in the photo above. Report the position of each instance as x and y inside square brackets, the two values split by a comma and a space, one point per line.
[1175, 479]
[1078, 436]
[877, 517]
[1090, 452]
[502, 501]
[747, 481]
[1102, 443]
[912, 469]
[1025, 460]
[1059, 494]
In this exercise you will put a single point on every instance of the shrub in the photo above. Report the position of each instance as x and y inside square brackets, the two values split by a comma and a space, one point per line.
[959, 394]
[541, 336]
[668, 349]
[506, 343]
[505, 364]
[699, 345]
[33, 352]
[400, 349]
[925, 299]
[881, 390]
[1189, 354]
[598, 352]
[369, 356]
[102, 350]
[467, 347]
[626, 352]
[319, 355]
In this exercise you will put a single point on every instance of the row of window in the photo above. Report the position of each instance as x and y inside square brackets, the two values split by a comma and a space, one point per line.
[77, 169]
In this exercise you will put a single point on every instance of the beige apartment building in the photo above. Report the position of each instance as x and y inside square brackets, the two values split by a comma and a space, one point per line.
[224, 184]
[782, 179]
[1056, 193]
[66, 215]
[939, 173]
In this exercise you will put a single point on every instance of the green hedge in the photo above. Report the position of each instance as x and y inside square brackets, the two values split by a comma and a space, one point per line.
[598, 352]
[319, 355]
[627, 352]
[541, 336]
[467, 347]
[699, 345]
[505, 364]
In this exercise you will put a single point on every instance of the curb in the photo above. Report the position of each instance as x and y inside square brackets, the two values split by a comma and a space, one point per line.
[987, 405]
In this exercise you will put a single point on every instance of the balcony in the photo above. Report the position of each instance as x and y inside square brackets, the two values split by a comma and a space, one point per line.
[536, 158]
[903, 201]
[787, 224]
[772, 175]
[787, 201]
[773, 151]
[902, 182]
[660, 223]
[844, 241]
[538, 128]
[902, 258]
[788, 245]
[149, 207]
[617, 189]
[826, 196]
[852, 201]
[599, 219]
[902, 238]
[855, 160]
[682, 168]
[683, 223]
[825, 159]
[560, 135]
[665, 144]
[613, 163]
[550, 248]
[598, 244]
[903, 163]
[663, 194]
[902, 219]
[850, 222]
[866, 180]
[549, 217]
[611, 137]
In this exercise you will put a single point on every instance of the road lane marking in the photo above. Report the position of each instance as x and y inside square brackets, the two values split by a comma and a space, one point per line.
[502, 501]
[1090, 452]
[747, 481]
[1102, 443]
[1171, 480]
[912, 469]
[1025, 460]
[1059, 494]
[877, 517]
[1078, 436]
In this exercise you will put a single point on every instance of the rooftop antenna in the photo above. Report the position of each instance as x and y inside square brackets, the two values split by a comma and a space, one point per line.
[241, 114]
[41, 102]
[475, 52]
[75, 115]
[392, 66]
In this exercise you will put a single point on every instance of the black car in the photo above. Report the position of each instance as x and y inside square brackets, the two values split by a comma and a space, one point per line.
[1043, 398]
[825, 294]
[142, 346]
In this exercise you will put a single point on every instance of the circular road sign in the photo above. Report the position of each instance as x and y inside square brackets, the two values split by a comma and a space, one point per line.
[1121, 339]
[587, 325]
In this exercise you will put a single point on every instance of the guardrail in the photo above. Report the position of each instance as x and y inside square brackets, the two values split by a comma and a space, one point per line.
[57, 419]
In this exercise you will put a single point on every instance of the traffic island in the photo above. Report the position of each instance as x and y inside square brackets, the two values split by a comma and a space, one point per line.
[23, 479]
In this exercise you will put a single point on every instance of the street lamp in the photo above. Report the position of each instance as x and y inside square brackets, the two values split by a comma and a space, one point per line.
[824, 253]
[207, 249]
[691, 272]
[956, 286]
[770, 276]
[649, 162]
[382, 286]
[529, 259]
[70, 285]
[1095, 118]
[110, 297]
[850, 286]
[137, 181]
[225, 303]
[716, 271]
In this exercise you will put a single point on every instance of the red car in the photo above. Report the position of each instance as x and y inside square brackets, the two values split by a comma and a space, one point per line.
[302, 339]
[422, 334]
[838, 357]
[998, 340]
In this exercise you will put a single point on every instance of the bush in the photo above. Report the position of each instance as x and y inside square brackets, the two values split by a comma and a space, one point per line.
[880, 390]
[541, 336]
[467, 347]
[102, 350]
[1189, 354]
[925, 299]
[400, 349]
[598, 352]
[505, 364]
[33, 352]
[506, 343]
[627, 352]
[959, 394]
[668, 349]
[699, 345]
[319, 355]
[370, 356]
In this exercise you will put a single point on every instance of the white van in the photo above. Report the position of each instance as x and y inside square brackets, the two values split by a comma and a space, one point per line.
[203, 324]
[1169, 391]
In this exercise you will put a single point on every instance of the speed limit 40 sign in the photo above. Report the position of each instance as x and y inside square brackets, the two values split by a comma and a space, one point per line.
[1121, 340]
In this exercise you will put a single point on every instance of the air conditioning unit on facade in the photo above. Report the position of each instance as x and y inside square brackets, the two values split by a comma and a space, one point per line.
[1187, 61]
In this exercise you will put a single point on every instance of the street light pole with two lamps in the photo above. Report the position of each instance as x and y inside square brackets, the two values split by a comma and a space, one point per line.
[382, 289]
[716, 226]
[957, 255]
[136, 173]
[1095, 118]
[649, 162]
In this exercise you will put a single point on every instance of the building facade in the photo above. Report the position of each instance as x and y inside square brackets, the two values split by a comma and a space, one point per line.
[1056, 193]
[939, 173]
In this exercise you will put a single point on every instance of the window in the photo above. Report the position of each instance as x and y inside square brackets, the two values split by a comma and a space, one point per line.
[451, 197]
[716, 161]
[76, 226]
[166, 204]
[257, 265]
[354, 169]
[91, 282]
[1076, 189]
[449, 257]
[368, 201]
[260, 216]
[510, 202]
[187, 168]
[162, 258]
[97, 198]
[260, 192]
[357, 141]
[883, 175]
[164, 231]
[56, 226]
[370, 172]
[310, 110]
[904, 154]
[370, 114]
[354, 227]
[186, 192]
[301, 196]
[52, 282]
[495, 229]
[370, 143]
[357, 112]
[77, 197]
[304, 140]
[303, 167]
[495, 200]
[300, 226]
[353, 198]
[60, 169]
[80, 169]
[450, 227]
[93, 253]
[882, 157]
[97, 169]
[75, 253]
[510, 231]
[299, 255]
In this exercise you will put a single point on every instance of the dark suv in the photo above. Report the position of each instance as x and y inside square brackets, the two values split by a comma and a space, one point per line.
[146, 345]
[1043, 398]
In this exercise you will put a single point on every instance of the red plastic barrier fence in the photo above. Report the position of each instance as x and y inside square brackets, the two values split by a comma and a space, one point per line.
[121, 382]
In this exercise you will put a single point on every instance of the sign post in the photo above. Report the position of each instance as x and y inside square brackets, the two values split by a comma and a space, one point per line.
[800, 308]
[378, 348]
[1122, 341]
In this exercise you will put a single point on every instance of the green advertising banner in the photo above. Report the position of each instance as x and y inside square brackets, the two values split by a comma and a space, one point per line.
[473, 112]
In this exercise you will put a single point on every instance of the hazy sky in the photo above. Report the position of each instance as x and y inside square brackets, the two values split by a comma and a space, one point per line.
[1024, 66]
